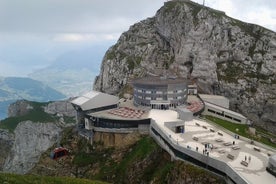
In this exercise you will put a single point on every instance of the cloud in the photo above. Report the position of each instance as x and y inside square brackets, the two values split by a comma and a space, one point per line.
[75, 37]
[85, 16]
[261, 12]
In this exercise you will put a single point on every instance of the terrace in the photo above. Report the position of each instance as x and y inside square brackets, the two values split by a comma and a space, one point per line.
[247, 160]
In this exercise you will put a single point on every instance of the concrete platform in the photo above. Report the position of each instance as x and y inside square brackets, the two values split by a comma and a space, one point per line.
[248, 161]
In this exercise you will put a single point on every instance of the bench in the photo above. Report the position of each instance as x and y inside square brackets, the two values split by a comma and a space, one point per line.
[230, 156]
[244, 163]
[235, 147]
[195, 138]
[204, 127]
[214, 147]
[227, 143]
[212, 130]
[220, 134]
[221, 151]
[219, 140]
[257, 149]
[197, 124]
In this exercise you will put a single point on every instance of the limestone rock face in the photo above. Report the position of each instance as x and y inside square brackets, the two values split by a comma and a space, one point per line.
[19, 108]
[222, 55]
[31, 140]
[6, 142]
[60, 107]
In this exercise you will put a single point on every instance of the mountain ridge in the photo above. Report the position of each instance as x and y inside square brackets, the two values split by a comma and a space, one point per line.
[222, 55]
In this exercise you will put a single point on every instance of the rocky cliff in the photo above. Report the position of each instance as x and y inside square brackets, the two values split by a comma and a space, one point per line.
[6, 142]
[33, 128]
[31, 140]
[222, 55]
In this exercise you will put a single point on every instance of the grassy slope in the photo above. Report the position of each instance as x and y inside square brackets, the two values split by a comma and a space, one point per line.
[243, 130]
[31, 179]
[143, 162]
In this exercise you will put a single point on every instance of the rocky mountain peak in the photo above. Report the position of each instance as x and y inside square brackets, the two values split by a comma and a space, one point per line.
[222, 55]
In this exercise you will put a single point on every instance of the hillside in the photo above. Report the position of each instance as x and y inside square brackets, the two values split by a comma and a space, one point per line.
[30, 129]
[222, 55]
[15, 88]
[142, 162]
[30, 179]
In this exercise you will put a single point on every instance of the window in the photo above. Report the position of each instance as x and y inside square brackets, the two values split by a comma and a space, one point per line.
[212, 111]
[153, 92]
[228, 116]
[238, 120]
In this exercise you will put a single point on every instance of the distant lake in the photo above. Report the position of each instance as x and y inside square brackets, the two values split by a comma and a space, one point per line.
[4, 105]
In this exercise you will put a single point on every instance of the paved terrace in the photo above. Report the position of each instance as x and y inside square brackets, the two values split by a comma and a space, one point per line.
[125, 111]
[198, 133]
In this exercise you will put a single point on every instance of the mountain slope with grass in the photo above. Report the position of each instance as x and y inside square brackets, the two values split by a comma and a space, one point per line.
[142, 162]
[31, 179]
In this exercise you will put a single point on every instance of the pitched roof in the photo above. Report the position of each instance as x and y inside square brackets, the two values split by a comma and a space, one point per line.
[94, 99]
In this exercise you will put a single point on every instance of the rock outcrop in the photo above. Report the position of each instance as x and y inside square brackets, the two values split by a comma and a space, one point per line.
[31, 140]
[19, 108]
[222, 55]
[64, 108]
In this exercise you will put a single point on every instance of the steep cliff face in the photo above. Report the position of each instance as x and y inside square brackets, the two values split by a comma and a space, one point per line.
[31, 140]
[19, 108]
[6, 142]
[222, 55]
[64, 108]
[33, 128]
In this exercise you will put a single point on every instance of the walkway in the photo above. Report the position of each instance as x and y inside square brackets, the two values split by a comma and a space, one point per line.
[199, 133]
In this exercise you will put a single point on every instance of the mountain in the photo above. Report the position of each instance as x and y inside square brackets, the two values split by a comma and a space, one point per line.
[72, 73]
[220, 54]
[14, 88]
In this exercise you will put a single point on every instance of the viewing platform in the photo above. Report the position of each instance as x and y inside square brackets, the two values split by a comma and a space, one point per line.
[212, 148]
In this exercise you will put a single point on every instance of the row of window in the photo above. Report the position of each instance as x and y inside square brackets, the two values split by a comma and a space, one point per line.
[159, 92]
[164, 98]
[224, 115]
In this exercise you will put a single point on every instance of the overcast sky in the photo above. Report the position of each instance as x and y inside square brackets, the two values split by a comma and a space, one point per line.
[34, 32]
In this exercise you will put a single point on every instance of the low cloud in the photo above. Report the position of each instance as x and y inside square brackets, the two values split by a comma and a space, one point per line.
[77, 37]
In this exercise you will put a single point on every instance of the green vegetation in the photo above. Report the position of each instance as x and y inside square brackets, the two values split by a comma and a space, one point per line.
[262, 135]
[140, 151]
[169, 6]
[230, 126]
[232, 72]
[36, 114]
[195, 8]
[133, 61]
[126, 89]
[30, 179]
[86, 156]
[68, 119]
[110, 55]
[141, 162]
